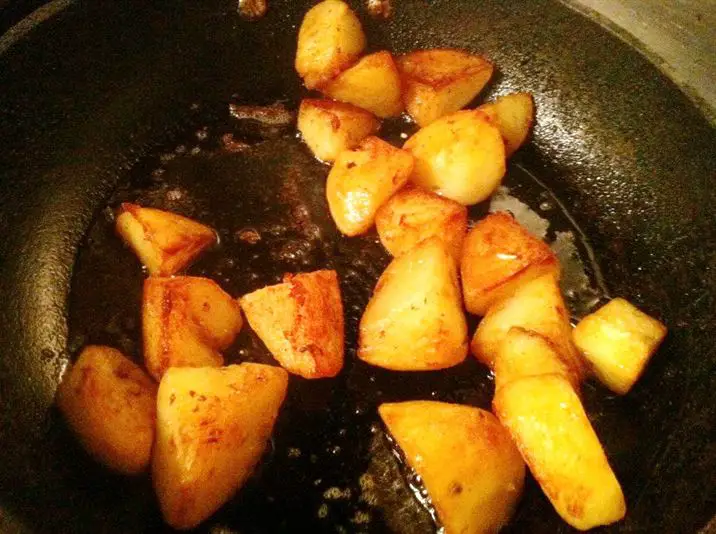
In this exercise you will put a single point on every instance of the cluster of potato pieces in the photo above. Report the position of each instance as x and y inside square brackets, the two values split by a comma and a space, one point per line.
[205, 426]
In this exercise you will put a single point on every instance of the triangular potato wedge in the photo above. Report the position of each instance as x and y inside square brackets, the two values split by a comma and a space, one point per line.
[301, 322]
[373, 84]
[186, 322]
[471, 470]
[414, 321]
[498, 256]
[441, 81]
[513, 115]
[212, 428]
[164, 242]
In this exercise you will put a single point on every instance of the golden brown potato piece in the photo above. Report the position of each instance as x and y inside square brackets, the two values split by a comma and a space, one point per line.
[538, 306]
[523, 353]
[618, 340]
[413, 215]
[301, 322]
[329, 128]
[415, 321]
[109, 402]
[362, 180]
[465, 458]
[212, 428]
[442, 81]
[498, 256]
[164, 242]
[459, 156]
[546, 419]
[186, 321]
[330, 39]
[373, 84]
[513, 115]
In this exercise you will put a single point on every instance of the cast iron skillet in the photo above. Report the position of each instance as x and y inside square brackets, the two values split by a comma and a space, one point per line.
[93, 98]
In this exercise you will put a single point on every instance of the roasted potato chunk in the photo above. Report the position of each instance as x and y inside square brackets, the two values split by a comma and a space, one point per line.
[442, 81]
[547, 421]
[329, 128]
[413, 215]
[164, 242]
[498, 256]
[459, 156]
[415, 321]
[212, 428]
[186, 322]
[330, 40]
[513, 115]
[301, 322]
[362, 180]
[471, 469]
[538, 306]
[618, 340]
[109, 402]
[373, 84]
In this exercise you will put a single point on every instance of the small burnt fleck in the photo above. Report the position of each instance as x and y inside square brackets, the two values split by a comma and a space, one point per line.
[192, 393]
[172, 398]
[456, 488]
[253, 9]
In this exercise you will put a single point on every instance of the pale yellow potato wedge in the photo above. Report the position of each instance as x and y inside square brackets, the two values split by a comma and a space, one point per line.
[547, 421]
[618, 340]
[537, 305]
[329, 127]
[413, 215]
[109, 402]
[164, 242]
[301, 322]
[330, 40]
[513, 115]
[472, 471]
[524, 353]
[212, 428]
[373, 84]
[460, 156]
[441, 81]
[186, 322]
[498, 256]
[362, 180]
[414, 321]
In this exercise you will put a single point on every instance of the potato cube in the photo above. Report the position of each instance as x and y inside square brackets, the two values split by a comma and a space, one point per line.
[498, 256]
[329, 128]
[415, 321]
[164, 242]
[441, 81]
[362, 180]
[468, 464]
[547, 421]
[618, 341]
[186, 322]
[301, 322]
[413, 215]
[513, 115]
[330, 39]
[373, 84]
[109, 402]
[459, 156]
[212, 428]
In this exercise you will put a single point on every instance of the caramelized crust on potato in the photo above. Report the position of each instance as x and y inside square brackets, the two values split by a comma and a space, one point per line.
[413, 215]
[362, 180]
[329, 128]
[513, 115]
[301, 322]
[187, 322]
[441, 81]
[498, 256]
[465, 458]
[164, 242]
[212, 428]
[109, 402]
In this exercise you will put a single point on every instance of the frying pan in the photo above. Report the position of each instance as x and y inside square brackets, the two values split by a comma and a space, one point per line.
[105, 101]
